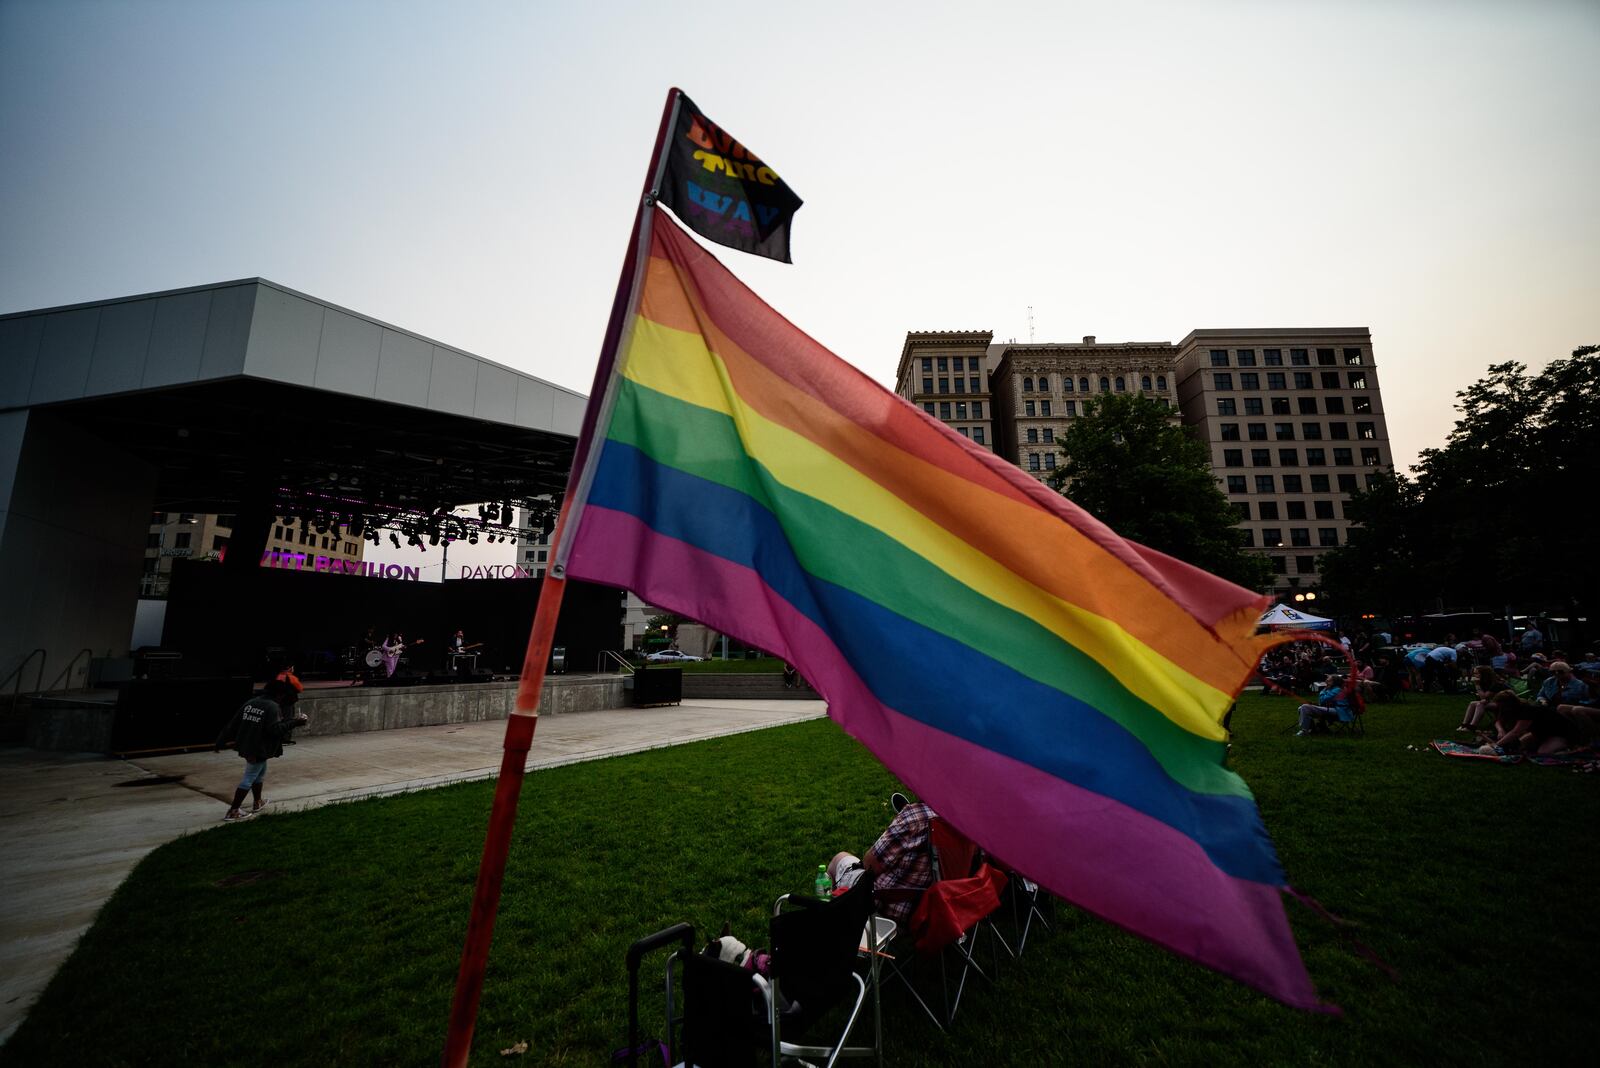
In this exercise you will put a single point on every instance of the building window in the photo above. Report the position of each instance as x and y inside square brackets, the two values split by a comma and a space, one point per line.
[1342, 458]
[1302, 380]
[927, 406]
[944, 364]
[1219, 357]
[1372, 481]
[961, 385]
[1311, 431]
[1105, 384]
[1252, 406]
[1049, 433]
[972, 363]
[1044, 407]
[1271, 538]
[1319, 483]
[306, 538]
[1247, 357]
[1325, 357]
[1267, 509]
[153, 540]
[1288, 458]
[1260, 457]
[977, 409]
[1161, 382]
[1272, 357]
[1300, 536]
[1324, 509]
[1280, 564]
[977, 434]
[1226, 406]
[1241, 511]
[1283, 431]
[1071, 407]
[927, 385]
[1347, 483]
[944, 409]
[1033, 461]
[1247, 538]
[1049, 461]
[218, 542]
[1352, 357]
[1369, 458]
[1335, 405]
[1316, 458]
[1232, 457]
[1144, 383]
[1367, 431]
[1277, 380]
[1299, 357]
[1295, 509]
[1230, 431]
[961, 409]
[1122, 385]
[1264, 484]
[1033, 434]
[963, 431]
[1361, 405]
[1358, 380]
[186, 517]
[1258, 431]
[927, 364]
[1291, 484]
[1083, 385]
[1330, 380]
[1308, 405]
[1236, 484]
[974, 385]
[944, 385]
[1066, 383]
[1280, 405]
[1028, 408]
[1328, 537]
[1044, 383]
[1027, 385]
[180, 540]
[1306, 565]
[1249, 380]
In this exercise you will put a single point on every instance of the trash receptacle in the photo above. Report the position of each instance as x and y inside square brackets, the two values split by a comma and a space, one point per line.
[558, 660]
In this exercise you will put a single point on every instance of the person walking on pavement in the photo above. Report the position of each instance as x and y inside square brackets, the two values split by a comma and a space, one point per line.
[257, 728]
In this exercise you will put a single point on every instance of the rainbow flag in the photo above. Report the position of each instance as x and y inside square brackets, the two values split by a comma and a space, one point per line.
[1052, 690]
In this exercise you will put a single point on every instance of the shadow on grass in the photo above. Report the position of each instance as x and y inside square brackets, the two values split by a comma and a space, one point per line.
[332, 936]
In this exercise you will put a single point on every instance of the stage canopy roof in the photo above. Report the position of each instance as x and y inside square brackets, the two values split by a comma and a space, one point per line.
[231, 388]
[1284, 617]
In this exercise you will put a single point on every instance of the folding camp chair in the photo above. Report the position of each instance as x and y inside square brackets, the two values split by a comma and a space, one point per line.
[817, 967]
[1355, 726]
[950, 915]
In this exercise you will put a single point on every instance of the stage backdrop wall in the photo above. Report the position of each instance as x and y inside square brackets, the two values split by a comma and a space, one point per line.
[227, 622]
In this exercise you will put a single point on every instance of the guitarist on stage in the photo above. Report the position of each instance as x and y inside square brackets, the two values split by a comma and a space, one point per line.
[457, 648]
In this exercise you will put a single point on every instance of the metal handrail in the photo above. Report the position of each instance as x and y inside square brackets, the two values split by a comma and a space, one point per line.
[66, 672]
[608, 655]
[16, 692]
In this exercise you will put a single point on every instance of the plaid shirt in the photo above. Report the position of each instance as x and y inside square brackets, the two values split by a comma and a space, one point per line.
[906, 857]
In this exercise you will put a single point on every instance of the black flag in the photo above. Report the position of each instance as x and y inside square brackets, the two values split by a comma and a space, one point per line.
[722, 190]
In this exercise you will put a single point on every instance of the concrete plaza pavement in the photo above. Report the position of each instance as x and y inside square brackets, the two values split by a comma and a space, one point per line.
[75, 826]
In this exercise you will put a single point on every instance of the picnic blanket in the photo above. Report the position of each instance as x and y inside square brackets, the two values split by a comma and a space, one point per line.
[1470, 752]
[1572, 758]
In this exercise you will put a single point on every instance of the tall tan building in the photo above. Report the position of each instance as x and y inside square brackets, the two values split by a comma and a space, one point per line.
[944, 372]
[1038, 388]
[1293, 418]
[1294, 421]
[186, 535]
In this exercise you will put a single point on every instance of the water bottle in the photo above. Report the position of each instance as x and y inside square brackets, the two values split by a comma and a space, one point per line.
[824, 885]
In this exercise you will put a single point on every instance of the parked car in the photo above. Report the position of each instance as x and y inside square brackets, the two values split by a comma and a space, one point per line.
[672, 655]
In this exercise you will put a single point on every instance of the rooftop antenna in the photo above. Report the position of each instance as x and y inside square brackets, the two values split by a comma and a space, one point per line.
[1030, 324]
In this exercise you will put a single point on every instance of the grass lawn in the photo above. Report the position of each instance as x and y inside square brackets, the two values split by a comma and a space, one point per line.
[1472, 879]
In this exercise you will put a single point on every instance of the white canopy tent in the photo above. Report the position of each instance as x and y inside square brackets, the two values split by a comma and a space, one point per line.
[1282, 617]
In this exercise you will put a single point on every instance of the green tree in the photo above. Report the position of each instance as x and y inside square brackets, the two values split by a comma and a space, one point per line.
[1498, 515]
[1130, 466]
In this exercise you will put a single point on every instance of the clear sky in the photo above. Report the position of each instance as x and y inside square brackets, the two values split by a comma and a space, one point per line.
[1130, 170]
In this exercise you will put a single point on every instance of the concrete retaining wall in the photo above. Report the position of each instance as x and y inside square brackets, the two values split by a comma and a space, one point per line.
[734, 686]
[378, 708]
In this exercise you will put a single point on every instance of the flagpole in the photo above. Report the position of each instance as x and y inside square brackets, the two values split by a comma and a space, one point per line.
[525, 716]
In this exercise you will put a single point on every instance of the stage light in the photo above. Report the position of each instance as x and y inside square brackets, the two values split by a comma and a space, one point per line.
[1311, 596]
[1299, 596]
[394, 538]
